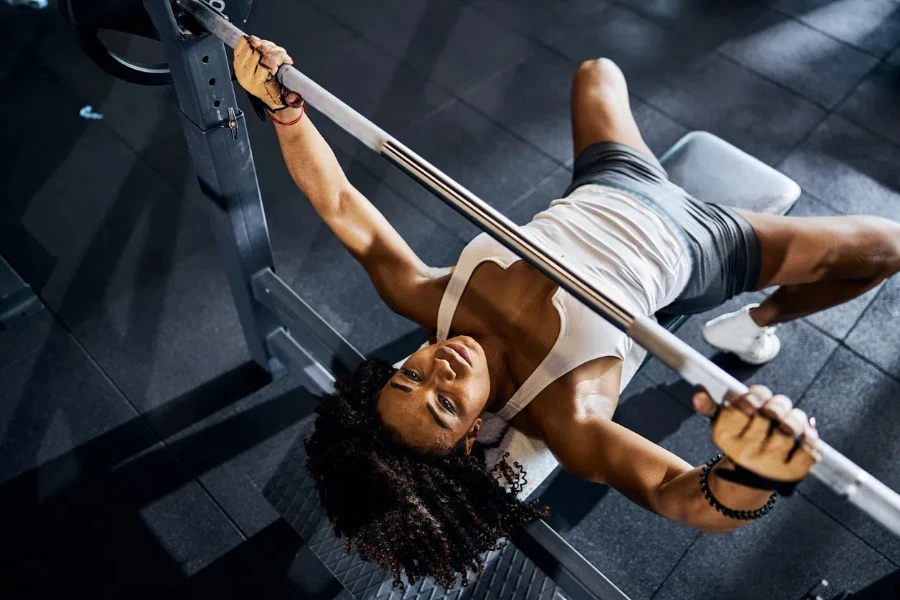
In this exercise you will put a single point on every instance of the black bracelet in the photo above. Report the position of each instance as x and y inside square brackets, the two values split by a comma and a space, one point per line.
[743, 515]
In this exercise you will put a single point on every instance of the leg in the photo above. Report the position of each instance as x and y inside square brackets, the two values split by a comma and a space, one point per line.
[600, 108]
[820, 262]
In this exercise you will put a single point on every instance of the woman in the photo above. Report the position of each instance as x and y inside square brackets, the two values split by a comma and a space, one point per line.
[394, 452]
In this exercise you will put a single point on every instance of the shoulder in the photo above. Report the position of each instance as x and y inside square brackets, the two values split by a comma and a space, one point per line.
[588, 391]
[420, 300]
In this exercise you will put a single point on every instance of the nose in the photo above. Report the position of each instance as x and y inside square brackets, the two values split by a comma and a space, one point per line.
[443, 370]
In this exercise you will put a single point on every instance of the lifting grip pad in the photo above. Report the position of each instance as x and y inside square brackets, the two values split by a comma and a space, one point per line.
[757, 444]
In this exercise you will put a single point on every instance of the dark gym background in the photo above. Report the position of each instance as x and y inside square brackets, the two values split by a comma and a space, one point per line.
[129, 415]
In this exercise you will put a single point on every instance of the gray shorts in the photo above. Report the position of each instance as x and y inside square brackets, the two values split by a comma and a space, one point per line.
[723, 245]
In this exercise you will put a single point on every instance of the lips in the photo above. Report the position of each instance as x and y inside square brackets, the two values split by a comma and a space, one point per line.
[462, 351]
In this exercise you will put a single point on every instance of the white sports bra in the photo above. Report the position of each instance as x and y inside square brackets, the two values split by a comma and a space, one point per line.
[614, 241]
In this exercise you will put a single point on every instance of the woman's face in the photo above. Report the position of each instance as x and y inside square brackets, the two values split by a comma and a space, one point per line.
[434, 401]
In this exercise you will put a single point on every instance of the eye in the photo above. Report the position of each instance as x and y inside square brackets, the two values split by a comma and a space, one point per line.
[447, 404]
[412, 375]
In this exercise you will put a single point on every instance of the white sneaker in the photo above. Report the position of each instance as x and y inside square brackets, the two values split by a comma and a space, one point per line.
[738, 334]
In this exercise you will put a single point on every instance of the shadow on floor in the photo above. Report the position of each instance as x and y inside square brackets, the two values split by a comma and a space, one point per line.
[95, 518]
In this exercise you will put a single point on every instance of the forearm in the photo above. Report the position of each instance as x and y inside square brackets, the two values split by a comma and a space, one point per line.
[682, 499]
[311, 162]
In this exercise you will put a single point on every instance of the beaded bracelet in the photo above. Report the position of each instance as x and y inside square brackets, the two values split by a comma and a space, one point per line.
[743, 515]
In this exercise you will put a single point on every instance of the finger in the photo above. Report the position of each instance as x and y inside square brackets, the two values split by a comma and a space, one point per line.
[249, 59]
[777, 407]
[795, 422]
[704, 404]
[811, 434]
[762, 392]
[262, 74]
[749, 403]
[262, 71]
[273, 59]
[241, 46]
[241, 51]
[254, 41]
[264, 47]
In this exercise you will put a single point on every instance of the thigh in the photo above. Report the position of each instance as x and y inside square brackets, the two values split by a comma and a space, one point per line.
[801, 250]
[601, 111]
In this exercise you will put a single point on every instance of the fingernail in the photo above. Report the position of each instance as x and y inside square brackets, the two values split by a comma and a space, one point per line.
[812, 422]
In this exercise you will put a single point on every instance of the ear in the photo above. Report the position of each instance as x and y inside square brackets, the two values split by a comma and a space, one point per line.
[472, 435]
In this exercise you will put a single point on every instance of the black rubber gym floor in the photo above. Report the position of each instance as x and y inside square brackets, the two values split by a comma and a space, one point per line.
[130, 418]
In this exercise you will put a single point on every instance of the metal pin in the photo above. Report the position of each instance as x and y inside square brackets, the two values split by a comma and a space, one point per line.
[232, 122]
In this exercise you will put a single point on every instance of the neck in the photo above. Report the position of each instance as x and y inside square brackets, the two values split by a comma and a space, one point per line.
[502, 384]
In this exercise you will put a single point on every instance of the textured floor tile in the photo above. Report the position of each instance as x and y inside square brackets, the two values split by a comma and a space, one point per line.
[190, 526]
[795, 546]
[20, 26]
[479, 154]
[873, 25]
[531, 99]
[219, 434]
[839, 320]
[809, 206]
[800, 58]
[875, 335]
[659, 131]
[129, 231]
[81, 229]
[452, 43]
[803, 352]
[875, 104]
[25, 337]
[753, 114]
[857, 412]
[540, 197]
[538, 19]
[307, 33]
[143, 526]
[711, 21]
[894, 57]
[258, 568]
[849, 169]
[145, 117]
[610, 530]
[645, 51]
[166, 337]
[382, 88]
[52, 401]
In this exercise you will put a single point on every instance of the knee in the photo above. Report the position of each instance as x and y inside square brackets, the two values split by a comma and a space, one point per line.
[892, 243]
[883, 236]
[599, 77]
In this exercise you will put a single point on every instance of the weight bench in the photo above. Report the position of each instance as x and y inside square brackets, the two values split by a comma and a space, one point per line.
[712, 170]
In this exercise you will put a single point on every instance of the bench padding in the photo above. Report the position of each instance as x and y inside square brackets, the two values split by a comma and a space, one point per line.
[712, 170]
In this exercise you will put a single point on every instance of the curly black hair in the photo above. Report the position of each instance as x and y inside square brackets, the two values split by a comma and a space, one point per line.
[408, 512]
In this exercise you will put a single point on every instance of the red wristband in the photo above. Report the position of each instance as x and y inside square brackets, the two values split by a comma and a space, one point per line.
[295, 121]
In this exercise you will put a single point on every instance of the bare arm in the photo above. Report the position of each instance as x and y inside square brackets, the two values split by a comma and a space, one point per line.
[405, 283]
[577, 427]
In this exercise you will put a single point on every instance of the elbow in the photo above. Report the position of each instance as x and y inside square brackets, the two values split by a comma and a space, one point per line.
[696, 513]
